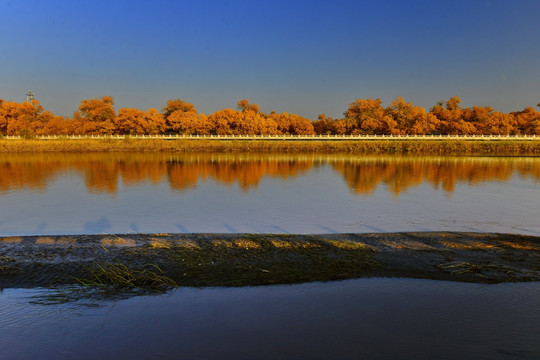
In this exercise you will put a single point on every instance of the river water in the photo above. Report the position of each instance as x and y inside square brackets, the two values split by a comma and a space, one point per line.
[353, 319]
[269, 193]
[273, 193]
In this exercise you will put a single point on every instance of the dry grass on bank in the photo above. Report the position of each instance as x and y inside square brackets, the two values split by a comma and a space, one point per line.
[428, 147]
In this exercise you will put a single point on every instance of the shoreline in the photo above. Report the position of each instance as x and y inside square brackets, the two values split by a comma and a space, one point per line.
[260, 259]
[395, 146]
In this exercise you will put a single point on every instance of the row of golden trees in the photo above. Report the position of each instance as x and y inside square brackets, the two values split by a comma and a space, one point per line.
[368, 116]
[364, 116]
[98, 117]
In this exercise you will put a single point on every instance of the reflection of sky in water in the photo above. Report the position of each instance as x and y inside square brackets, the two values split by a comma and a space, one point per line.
[352, 319]
[319, 200]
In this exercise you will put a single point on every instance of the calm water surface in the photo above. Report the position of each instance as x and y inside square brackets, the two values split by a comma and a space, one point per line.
[364, 318]
[127, 192]
[353, 319]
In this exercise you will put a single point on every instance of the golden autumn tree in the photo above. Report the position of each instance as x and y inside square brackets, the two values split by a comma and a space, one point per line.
[177, 105]
[26, 119]
[498, 123]
[527, 121]
[188, 123]
[185, 116]
[291, 124]
[411, 119]
[136, 122]
[477, 116]
[323, 125]
[451, 120]
[57, 125]
[232, 122]
[244, 105]
[367, 116]
[222, 120]
[253, 123]
[246, 122]
[96, 116]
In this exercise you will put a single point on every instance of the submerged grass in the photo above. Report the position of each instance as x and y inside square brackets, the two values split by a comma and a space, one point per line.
[120, 276]
[419, 146]
[257, 260]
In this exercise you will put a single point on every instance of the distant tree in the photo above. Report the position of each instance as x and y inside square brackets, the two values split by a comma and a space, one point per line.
[189, 123]
[177, 105]
[340, 127]
[478, 117]
[291, 124]
[185, 113]
[367, 116]
[411, 119]
[527, 121]
[57, 125]
[500, 124]
[224, 121]
[244, 105]
[136, 122]
[323, 125]
[450, 118]
[154, 122]
[22, 118]
[247, 122]
[96, 116]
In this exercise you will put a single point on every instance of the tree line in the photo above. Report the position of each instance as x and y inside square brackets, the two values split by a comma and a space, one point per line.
[364, 116]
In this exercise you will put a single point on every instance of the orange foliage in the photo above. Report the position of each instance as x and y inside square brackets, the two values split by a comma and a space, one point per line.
[189, 123]
[364, 116]
[323, 125]
[96, 116]
[291, 124]
[527, 121]
[137, 122]
[367, 116]
[411, 119]
[177, 105]
[24, 119]
[244, 105]
[247, 122]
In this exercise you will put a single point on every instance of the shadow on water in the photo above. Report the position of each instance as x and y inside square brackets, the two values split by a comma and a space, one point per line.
[41, 228]
[134, 228]
[230, 228]
[182, 228]
[101, 226]
[373, 228]
[328, 230]
[279, 229]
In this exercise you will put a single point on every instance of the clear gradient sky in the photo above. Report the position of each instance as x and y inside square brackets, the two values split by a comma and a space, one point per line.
[306, 56]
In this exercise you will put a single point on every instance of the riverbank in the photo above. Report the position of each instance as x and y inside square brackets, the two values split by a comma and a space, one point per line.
[439, 146]
[259, 259]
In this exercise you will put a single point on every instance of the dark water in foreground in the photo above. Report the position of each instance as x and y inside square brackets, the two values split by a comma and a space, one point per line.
[43, 194]
[353, 319]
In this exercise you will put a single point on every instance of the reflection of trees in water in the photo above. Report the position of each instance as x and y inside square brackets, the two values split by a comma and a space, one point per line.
[400, 174]
[103, 172]
[247, 173]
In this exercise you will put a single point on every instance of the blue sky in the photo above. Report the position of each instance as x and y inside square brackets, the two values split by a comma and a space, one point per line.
[305, 57]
